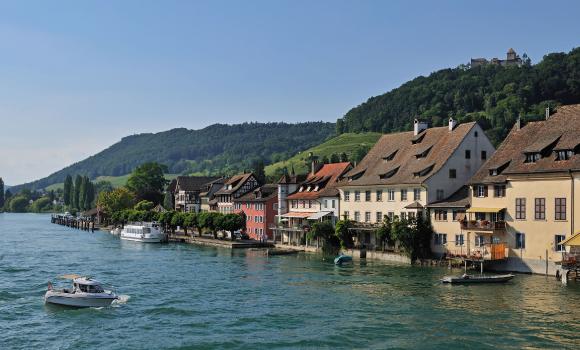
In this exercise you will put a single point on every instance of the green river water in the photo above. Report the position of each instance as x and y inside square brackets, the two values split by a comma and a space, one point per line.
[179, 296]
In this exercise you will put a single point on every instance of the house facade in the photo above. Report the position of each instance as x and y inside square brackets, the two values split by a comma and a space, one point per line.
[314, 199]
[525, 195]
[207, 195]
[260, 207]
[446, 217]
[404, 172]
[187, 190]
[233, 188]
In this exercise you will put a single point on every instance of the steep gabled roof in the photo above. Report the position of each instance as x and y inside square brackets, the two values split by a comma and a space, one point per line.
[560, 132]
[327, 180]
[193, 183]
[380, 167]
[459, 199]
[235, 182]
[260, 194]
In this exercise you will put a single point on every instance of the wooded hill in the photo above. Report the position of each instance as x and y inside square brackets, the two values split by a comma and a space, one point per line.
[491, 94]
[216, 149]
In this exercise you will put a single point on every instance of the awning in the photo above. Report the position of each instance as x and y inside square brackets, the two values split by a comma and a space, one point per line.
[572, 241]
[296, 215]
[484, 210]
[319, 215]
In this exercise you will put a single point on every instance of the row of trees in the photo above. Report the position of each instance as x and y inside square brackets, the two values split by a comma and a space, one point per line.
[411, 235]
[28, 201]
[79, 194]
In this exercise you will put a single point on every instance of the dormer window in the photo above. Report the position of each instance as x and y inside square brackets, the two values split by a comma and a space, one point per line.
[418, 139]
[423, 153]
[390, 157]
[301, 189]
[532, 157]
[423, 172]
[564, 154]
[389, 174]
[498, 170]
[316, 188]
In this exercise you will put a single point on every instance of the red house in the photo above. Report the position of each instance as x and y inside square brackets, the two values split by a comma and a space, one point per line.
[260, 207]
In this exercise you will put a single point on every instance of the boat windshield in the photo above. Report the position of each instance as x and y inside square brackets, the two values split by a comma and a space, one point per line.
[90, 288]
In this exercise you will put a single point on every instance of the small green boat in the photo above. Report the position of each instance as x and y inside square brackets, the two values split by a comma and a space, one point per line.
[339, 260]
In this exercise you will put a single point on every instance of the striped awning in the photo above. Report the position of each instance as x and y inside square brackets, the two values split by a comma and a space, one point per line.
[296, 215]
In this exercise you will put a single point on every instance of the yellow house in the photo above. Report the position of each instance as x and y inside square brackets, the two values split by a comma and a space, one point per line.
[406, 171]
[524, 196]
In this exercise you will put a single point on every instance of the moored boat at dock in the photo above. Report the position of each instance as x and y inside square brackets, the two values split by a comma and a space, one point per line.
[473, 279]
[146, 232]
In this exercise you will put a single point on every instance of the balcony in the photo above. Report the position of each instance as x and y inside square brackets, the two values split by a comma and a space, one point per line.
[483, 225]
[486, 252]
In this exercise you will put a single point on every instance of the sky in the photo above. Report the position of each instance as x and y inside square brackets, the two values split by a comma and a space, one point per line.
[77, 76]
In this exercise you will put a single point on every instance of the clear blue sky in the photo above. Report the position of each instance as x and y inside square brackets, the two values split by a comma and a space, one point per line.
[76, 76]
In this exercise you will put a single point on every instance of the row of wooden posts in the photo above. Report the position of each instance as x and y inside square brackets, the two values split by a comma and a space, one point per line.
[85, 224]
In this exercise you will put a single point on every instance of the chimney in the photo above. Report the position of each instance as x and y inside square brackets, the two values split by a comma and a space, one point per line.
[519, 123]
[547, 113]
[452, 124]
[419, 126]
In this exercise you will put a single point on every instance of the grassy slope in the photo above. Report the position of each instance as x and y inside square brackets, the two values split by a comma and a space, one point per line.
[116, 181]
[347, 143]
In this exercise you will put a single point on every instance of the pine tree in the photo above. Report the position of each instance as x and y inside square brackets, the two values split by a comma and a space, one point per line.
[68, 190]
[1, 193]
[76, 192]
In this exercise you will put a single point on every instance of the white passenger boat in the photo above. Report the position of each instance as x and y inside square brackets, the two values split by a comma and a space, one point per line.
[147, 232]
[85, 292]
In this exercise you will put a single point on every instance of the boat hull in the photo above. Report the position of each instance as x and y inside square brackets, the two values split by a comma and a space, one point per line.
[79, 300]
[477, 279]
[342, 259]
[146, 239]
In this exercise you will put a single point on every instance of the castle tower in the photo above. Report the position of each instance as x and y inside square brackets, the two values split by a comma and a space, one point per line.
[511, 55]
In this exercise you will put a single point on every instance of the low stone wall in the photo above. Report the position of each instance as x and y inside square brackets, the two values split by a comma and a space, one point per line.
[512, 264]
[383, 256]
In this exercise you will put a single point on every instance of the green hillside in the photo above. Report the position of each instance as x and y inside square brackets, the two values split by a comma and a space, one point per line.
[116, 181]
[216, 149]
[349, 143]
[491, 94]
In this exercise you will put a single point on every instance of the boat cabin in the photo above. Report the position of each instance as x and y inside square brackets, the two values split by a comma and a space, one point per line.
[86, 285]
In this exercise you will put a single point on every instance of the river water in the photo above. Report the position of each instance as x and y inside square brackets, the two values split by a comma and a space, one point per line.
[181, 296]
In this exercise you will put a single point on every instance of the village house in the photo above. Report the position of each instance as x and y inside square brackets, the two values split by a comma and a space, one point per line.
[233, 188]
[406, 171]
[260, 207]
[186, 192]
[523, 198]
[207, 194]
[314, 199]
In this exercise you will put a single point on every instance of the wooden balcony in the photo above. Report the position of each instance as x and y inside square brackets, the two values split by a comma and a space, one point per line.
[483, 225]
[488, 251]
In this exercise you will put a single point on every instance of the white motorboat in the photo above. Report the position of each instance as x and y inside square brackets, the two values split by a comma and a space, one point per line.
[147, 232]
[116, 231]
[85, 292]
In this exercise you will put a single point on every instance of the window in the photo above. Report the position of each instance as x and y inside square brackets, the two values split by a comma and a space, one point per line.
[479, 241]
[480, 216]
[391, 215]
[557, 240]
[499, 191]
[417, 194]
[309, 204]
[346, 215]
[440, 239]
[357, 196]
[540, 209]
[564, 154]
[379, 216]
[532, 157]
[483, 155]
[481, 191]
[403, 195]
[333, 204]
[379, 195]
[403, 215]
[560, 211]
[303, 204]
[440, 215]
[467, 154]
[325, 203]
[367, 196]
[458, 214]
[520, 208]
[391, 195]
[520, 240]
[367, 216]
[356, 216]
[346, 196]
[452, 173]
[459, 240]
[440, 195]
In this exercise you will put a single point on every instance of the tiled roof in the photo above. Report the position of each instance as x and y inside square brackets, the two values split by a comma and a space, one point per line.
[236, 182]
[260, 194]
[393, 159]
[327, 180]
[459, 199]
[193, 183]
[560, 132]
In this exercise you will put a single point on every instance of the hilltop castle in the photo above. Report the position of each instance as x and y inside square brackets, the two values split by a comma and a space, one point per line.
[512, 58]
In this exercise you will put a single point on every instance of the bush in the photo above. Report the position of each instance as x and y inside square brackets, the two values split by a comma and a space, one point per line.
[144, 205]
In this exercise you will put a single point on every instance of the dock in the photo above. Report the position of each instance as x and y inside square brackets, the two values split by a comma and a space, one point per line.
[239, 244]
[84, 224]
